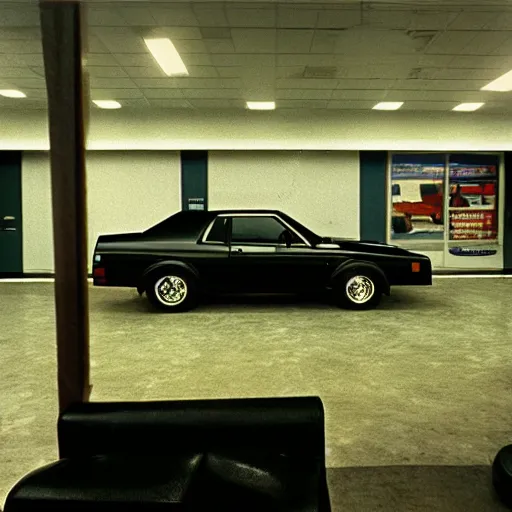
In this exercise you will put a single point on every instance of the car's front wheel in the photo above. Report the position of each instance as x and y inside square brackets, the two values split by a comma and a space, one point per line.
[172, 291]
[358, 289]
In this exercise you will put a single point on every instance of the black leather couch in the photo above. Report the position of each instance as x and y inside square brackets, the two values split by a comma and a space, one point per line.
[221, 455]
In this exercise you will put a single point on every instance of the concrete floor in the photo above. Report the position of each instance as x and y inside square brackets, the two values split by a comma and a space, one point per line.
[422, 384]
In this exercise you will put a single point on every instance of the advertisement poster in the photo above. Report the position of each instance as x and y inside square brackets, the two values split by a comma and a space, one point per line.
[417, 183]
[473, 192]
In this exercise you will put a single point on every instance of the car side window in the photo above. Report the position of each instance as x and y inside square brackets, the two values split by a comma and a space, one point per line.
[257, 230]
[218, 232]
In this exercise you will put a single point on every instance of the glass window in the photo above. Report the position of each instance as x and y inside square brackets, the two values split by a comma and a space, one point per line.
[417, 182]
[263, 230]
[473, 197]
[218, 232]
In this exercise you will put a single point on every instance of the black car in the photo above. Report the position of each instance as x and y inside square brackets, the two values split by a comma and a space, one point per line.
[250, 251]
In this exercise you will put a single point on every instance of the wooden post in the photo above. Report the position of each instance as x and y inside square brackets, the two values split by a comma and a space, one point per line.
[61, 27]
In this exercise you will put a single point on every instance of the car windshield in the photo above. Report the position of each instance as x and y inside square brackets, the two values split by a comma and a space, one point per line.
[311, 237]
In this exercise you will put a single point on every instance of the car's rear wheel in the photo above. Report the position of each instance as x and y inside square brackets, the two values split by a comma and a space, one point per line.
[358, 289]
[172, 291]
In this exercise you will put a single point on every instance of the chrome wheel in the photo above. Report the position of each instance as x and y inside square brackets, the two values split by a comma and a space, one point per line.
[171, 290]
[360, 289]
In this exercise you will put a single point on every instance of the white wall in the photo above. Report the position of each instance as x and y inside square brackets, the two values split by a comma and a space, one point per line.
[126, 191]
[134, 129]
[318, 188]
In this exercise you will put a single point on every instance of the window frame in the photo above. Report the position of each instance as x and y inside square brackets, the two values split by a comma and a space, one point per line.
[253, 244]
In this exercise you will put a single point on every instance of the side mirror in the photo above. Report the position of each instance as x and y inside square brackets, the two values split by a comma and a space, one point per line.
[288, 238]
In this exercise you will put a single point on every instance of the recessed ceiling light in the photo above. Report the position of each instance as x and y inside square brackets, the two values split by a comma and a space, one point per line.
[388, 105]
[12, 93]
[166, 56]
[261, 105]
[108, 104]
[501, 84]
[468, 107]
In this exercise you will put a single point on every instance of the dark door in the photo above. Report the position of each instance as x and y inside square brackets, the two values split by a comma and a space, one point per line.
[11, 262]
[261, 262]
[194, 179]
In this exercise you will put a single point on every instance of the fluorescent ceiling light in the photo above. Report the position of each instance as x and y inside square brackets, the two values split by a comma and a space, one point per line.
[166, 56]
[468, 107]
[501, 84]
[12, 93]
[261, 105]
[109, 104]
[388, 105]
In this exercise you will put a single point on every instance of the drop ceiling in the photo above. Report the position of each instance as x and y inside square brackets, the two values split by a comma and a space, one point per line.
[346, 55]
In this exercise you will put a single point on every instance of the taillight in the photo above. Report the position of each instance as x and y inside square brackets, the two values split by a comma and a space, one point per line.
[98, 272]
[416, 267]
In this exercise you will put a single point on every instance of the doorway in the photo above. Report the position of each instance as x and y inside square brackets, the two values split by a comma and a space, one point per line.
[11, 245]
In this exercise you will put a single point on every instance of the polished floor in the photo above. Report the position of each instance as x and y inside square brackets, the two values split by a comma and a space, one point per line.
[417, 393]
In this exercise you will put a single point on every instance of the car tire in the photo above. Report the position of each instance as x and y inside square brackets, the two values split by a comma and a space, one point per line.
[502, 475]
[172, 290]
[358, 289]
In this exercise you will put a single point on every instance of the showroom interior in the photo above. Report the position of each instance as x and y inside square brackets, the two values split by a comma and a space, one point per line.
[388, 122]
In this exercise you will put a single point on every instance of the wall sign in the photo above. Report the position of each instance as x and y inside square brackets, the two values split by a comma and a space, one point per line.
[468, 251]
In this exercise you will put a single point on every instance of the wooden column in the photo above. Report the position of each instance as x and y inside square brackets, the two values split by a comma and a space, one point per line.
[61, 25]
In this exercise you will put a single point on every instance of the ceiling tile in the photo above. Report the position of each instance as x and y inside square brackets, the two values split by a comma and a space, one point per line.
[440, 85]
[451, 42]
[157, 83]
[26, 104]
[104, 17]
[304, 94]
[140, 59]
[185, 46]
[203, 72]
[19, 33]
[208, 94]
[26, 83]
[137, 16]
[306, 83]
[197, 59]
[101, 59]
[502, 22]
[479, 61]
[229, 71]
[339, 18]
[162, 93]
[486, 43]
[351, 104]
[198, 103]
[365, 84]
[164, 103]
[106, 72]
[369, 94]
[243, 60]
[431, 20]
[19, 16]
[463, 74]
[175, 17]
[254, 40]
[215, 33]
[211, 15]
[153, 71]
[429, 105]
[301, 104]
[474, 20]
[94, 45]
[19, 72]
[294, 41]
[504, 49]
[115, 94]
[135, 103]
[421, 95]
[22, 46]
[390, 18]
[219, 45]
[112, 83]
[297, 16]
[121, 40]
[290, 71]
[265, 18]
[173, 33]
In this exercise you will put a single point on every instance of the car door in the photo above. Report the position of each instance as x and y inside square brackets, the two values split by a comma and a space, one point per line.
[260, 260]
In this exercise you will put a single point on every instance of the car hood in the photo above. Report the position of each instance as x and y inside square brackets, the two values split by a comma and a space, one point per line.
[369, 247]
